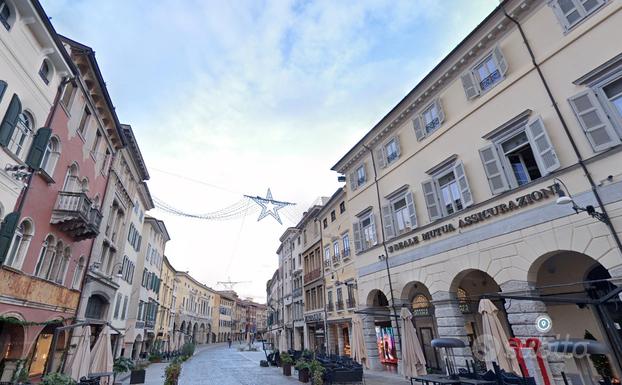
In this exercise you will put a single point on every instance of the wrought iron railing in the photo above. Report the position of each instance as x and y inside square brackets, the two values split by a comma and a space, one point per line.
[330, 306]
[297, 292]
[351, 303]
[339, 305]
[433, 125]
[489, 80]
[313, 275]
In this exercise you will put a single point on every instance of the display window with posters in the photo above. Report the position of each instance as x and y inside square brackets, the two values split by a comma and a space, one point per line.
[385, 339]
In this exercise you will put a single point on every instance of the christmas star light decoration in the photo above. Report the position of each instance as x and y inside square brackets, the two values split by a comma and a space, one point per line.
[269, 206]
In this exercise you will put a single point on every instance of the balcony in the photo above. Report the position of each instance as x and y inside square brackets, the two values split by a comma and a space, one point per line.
[149, 324]
[327, 263]
[330, 306]
[336, 259]
[139, 325]
[297, 292]
[346, 254]
[351, 303]
[339, 305]
[75, 215]
[490, 80]
[312, 276]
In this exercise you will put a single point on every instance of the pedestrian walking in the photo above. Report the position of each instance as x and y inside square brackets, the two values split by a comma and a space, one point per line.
[229, 340]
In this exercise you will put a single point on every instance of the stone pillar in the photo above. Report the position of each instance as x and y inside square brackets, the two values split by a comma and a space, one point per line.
[450, 323]
[306, 337]
[340, 342]
[332, 338]
[522, 315]
[371, 345]
[297, 344]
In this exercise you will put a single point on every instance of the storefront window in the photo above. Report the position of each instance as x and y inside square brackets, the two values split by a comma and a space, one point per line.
[386, 344]
[421, 305]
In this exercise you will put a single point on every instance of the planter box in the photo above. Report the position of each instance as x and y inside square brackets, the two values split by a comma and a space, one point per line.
[287, 369]
[303, 375]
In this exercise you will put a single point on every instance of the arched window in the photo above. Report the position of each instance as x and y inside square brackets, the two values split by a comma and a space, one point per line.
[20, 243]
[63, 261]
[77, 275]
[421, 305]
[50, 156]
[47, 252]
[6, 15]
[463, 301]
[71, 183]
[21, 135]
[55, 261]
[45, 72]
[96, 307]
[84, 185]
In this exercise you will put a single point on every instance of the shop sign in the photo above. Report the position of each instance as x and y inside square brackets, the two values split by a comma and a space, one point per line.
[477, 217]
[313, 317]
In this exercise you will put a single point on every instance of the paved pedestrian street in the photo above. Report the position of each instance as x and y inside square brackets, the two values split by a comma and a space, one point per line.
[219, 365]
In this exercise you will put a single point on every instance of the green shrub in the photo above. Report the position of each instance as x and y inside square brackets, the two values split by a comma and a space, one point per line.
[58, 379]
[155, 357]
[172, 372]
[302, 364]
[286, 359]
[122, 365]
[188, 349]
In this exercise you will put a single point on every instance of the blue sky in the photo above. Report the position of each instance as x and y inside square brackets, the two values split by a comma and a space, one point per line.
[248, 95]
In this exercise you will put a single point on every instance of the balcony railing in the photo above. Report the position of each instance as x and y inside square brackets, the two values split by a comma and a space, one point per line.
[432, 125]
[140, 325]
[489, 80]
[297, 292]
[330, 306]
[75, 215]
[336, 259]
[326, 263]
[149, 324]
[312, 276]
[346, 253]
[351, 303]
[339, 305]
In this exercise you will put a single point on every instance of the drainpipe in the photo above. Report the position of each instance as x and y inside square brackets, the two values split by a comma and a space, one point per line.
[577, 153]
[384, 245]
[322, 256]
[610, 328]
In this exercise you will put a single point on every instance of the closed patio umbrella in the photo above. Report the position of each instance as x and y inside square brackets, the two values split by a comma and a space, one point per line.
[101, 359]
[359, 353]
[283, 343]
[497, 347]
[413, 360]
[77, 365]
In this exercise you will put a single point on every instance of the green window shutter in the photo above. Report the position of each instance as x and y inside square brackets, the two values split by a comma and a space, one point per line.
[3, 86]
[38, 147]
[10, 120]
[7, 230]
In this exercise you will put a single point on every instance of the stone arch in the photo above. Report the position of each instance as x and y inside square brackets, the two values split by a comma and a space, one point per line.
[12, 338]
[42, 348]
[377, 298]
[137, 346]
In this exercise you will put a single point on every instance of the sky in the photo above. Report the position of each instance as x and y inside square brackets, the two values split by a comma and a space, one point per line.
[230, 98]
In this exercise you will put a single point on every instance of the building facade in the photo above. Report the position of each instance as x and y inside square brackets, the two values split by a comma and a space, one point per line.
[195, 313]
[167, 297]
[226, 308]
[457, 186]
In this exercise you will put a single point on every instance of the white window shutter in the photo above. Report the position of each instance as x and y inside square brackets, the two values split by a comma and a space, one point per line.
[381, 157]
[387, 218]
[410, 203]
[502, 64]
[544, 150]
[365, 172]
[463, 184]
[431, 199]
[397, 145]
[471, 88]
[353, 181]
[373, 229]
[439, 111]
[594, 121]
[494, 171]
[356, 230]
[418, 126]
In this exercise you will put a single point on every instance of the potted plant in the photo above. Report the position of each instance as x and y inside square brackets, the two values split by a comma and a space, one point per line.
[172, 372]
[303, 368]
[122, 365]
[287, 361]
[57, 379]
[317, 372]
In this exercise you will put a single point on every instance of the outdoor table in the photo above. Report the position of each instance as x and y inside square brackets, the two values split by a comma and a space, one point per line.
[435, 379]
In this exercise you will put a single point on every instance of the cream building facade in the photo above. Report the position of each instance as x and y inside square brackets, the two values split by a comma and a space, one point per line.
[226, 311]
[457, 185]
[167, 297]
[195, 313]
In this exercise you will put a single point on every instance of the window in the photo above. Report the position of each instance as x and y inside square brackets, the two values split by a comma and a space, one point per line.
[447, 191]
[68, 94]
[333, 216]
[485, 74]
[421, 305]
[399, 215]
[21, 134]
[325, 223]
[342, 207]
[388, 153]
[327, 253]
[117, 305]
[346, 244]
[84, 121]
[95, 147]
[72, 182]
[6, 16]
[336, 249]
[358, 177]
[518, 155]
[571, 12]
[19, 244]
[45, 71]
[365, 232]
[429, 120]
[3, 86]
[77, 275]
[50, 156]
[123, 313]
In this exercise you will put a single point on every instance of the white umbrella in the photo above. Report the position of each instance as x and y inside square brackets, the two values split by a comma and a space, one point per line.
[77, 365]
[413, 360]
[359, 353]
[283, 346]
[495, 340]
[101, 360]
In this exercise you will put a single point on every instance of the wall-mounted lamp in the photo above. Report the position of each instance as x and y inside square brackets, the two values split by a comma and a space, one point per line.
[565, 198]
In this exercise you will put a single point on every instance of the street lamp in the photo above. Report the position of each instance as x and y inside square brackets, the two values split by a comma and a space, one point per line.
[565, 198]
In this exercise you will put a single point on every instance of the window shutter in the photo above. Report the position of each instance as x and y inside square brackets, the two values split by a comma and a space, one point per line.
[471, 88]
[410, 203]
[594, 121]
[356, 230]
[397, 145]
[544, 150]
[387, 217]
[10, 120]
[38, 147]
[380, 157]
[559, 14]
[3, 86]
[374, 235]
[431, 199]
[493, 169]
[364, 172]
[353, 181]
[439, 111]
[7, 231]
[463, 183]
[502, 64]
[418, 126]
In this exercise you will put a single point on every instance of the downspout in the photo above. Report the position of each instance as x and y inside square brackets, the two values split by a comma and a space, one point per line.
[580, 160]
[322, 256]
[386, 251]
[609, 327]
